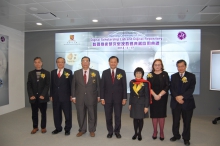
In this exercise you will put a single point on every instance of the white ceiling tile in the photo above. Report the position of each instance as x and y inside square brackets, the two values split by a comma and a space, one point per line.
[39, 8]
[100, 21]
[135, 19]
[4, 3]
[89, 13]
[181, 17]
[134, 3]
[130, 11]
[216, 20]
[162, 2]
[214, 2]
[11, 10]
[20, 18]
[112, 12]
[66, 22]
[81, 4]
[192, 2]
[67, 14]
[204, 17]
[112, 20]
[211, 10]
[56, 6]
[108, 4]
[18, 2]
[40, 1]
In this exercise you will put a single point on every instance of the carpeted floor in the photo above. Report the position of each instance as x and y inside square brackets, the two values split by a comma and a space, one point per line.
[15, 128]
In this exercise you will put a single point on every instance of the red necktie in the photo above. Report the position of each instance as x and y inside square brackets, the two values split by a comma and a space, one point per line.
[84, 76]
[113, 76]
[59, 73]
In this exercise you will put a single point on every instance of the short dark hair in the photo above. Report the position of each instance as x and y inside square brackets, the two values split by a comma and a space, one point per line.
[139, 69]
[112, 58]
[61, 58]
[162, 68]
[180, 61]
[38, 58]
[85, 57]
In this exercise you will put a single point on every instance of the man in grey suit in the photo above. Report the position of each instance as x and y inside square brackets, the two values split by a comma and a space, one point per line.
[86, 94]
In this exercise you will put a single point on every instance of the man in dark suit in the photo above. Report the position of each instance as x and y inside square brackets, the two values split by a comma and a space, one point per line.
[113, 91]
[38, 85]
[86, 95]
[182, 101]
[60, 92]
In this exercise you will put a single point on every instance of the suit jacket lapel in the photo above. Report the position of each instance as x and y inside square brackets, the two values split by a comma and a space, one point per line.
[89, 76]
[81, 74]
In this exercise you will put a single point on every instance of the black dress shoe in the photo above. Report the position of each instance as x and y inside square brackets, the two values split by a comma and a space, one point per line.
[154, 137]
[56, 131]
[139, 137]
[109, 135]
[161, 138]
[134, 137]
[186, 142]
[118, 135]
[174, 139]
[67, 132]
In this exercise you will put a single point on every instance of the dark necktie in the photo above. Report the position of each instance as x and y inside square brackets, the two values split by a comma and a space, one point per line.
[59, 73]
[181, 75]
[84, 76]
[113, 76]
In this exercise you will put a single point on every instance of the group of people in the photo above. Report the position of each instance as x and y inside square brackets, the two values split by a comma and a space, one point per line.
[86, 89]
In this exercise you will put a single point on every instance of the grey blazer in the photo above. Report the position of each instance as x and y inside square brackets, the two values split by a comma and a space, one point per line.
[86, 93]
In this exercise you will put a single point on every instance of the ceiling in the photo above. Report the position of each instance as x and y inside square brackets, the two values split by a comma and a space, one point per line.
[78, 14]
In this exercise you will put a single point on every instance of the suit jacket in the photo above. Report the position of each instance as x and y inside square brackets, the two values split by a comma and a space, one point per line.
[113, 92]
[60, 88]
[38, 89]
[86, 93]
[164, 81]
[187, 90]
[143, 96]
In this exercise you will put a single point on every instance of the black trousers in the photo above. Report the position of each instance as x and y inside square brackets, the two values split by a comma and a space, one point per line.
[66, 107]
[187, 116]
[109, 107]
[43, 109]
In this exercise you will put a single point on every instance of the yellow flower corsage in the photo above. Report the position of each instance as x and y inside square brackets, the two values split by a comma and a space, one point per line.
[66, 74]
[93, 75]
[149, 75]
[119, 76]
[42, 76]
[184, 79]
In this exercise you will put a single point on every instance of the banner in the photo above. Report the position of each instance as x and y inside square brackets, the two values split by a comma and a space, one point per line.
[134, 48]
[4, 97]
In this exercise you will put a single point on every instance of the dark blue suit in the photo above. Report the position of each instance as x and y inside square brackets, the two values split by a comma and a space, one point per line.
[113, 94]
[178, 87]
[60, 91]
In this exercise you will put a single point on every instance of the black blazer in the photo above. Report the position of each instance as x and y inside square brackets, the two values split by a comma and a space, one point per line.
[164, 81]
[60, 88]
[143, 96]
[187, 90]
[40, 89]
[113, 92]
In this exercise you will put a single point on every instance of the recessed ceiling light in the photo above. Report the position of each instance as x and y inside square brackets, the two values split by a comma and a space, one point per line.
[39, 23]
[158, 18]
[94, 20]
[33, 9]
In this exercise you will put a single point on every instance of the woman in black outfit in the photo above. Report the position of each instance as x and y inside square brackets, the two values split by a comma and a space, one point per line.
[159, 80]
[139, 101]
